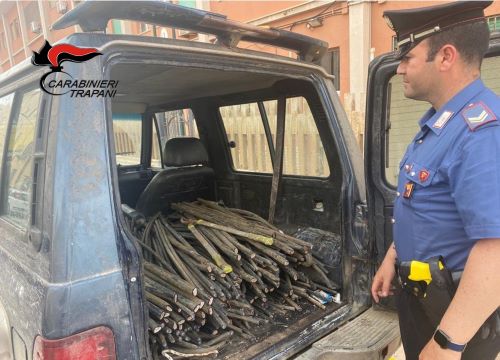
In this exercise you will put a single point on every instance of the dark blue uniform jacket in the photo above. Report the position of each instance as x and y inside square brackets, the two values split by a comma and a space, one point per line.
[449, 180]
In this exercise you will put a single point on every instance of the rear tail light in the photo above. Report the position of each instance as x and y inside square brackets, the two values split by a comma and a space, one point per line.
[93, 344]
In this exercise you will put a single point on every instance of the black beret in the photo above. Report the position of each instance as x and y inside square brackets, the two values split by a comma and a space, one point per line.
[414, 25]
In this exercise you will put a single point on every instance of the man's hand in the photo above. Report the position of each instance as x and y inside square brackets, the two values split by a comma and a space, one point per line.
[381, 286]
[477, 294]
[432, 351]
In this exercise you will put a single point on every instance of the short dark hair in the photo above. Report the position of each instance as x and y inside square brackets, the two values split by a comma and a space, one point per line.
[471, 41]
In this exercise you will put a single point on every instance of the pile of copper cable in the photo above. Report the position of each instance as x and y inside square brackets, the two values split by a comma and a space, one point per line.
[212, 272]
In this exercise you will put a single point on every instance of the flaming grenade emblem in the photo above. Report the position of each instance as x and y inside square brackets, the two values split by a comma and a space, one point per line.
[54, 56]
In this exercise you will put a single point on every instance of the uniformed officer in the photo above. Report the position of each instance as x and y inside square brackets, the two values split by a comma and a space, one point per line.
[449, 181]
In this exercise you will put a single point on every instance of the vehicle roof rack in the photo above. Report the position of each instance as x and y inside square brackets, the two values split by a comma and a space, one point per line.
[94, 15]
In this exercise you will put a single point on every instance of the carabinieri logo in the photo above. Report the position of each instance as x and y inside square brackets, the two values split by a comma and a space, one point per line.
[54, 56]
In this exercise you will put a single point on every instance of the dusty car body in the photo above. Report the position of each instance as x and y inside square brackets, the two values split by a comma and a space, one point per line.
[70, 269]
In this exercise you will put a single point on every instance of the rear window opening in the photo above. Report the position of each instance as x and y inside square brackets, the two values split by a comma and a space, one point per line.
[245, 126]
[183, 134]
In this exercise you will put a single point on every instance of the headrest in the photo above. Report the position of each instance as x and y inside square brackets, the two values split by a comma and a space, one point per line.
[184, 151]
[414, 25]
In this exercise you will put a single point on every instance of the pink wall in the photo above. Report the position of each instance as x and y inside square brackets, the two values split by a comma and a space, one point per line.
[382, 34]
[16, 43]
[52, 16]
[335, 28]
[249, 10]
[4, 54]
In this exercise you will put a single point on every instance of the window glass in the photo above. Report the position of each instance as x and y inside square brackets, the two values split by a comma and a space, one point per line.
[490, 73]
[303, 150]
[155, 150]
[117, 26]
[19, 162]
[5, 111]
[14, 28]
[304, 153]
[403, 115]
[127, 134]
[271, 107]
[244, 127]
[494, 23]
[188, 3]
[172, 124]
[31, 13]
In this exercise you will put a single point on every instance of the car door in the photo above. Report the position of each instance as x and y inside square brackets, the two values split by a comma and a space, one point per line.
[23, 267]
[391, 123]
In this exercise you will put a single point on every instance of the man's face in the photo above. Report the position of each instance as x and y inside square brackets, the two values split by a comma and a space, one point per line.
[419, 75]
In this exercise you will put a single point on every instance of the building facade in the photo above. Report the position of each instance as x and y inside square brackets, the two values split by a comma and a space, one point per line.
[354, 30]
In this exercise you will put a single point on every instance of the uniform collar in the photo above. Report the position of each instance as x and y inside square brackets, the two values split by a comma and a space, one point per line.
[437, 120]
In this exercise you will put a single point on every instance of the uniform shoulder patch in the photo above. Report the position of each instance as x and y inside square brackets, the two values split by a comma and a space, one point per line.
[478, 114]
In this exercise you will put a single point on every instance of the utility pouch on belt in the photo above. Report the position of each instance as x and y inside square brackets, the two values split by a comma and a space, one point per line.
[431, 282]
[415, 276]
[434, 285]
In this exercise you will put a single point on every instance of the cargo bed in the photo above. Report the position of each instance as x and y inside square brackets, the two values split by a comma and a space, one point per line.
[289, 335]
[281, 333]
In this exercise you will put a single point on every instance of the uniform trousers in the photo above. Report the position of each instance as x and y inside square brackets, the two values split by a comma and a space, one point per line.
[416, 331]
